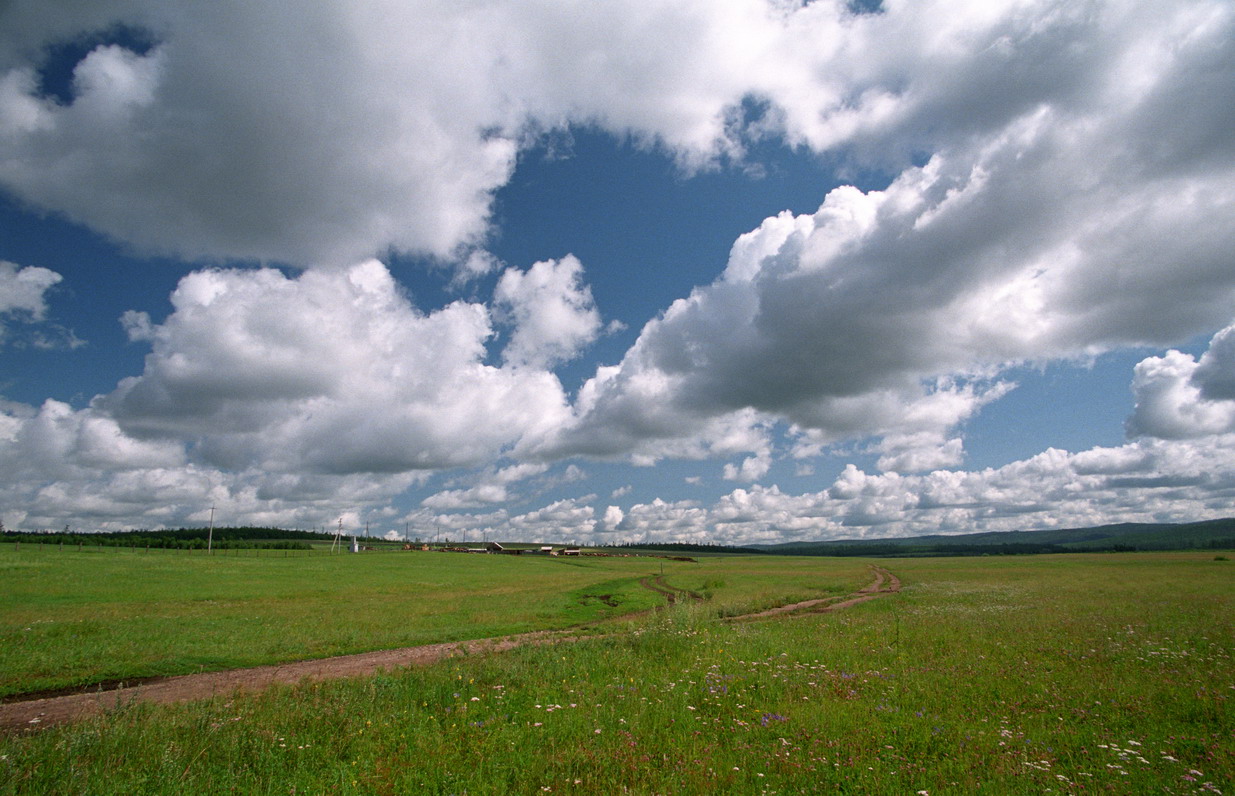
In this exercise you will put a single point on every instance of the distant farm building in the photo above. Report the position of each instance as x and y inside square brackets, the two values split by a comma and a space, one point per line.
[490, 547]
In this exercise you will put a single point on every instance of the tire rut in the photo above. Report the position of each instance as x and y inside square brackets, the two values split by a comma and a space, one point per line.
[884, 583]
[671, 593]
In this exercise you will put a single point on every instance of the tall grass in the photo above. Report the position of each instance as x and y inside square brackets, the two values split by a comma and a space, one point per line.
[1074, 674]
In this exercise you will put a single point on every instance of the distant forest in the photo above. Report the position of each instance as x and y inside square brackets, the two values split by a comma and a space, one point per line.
[1124, 537]
[179, 539]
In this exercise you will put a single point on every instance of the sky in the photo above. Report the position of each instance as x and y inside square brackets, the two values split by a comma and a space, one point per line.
[719, 271]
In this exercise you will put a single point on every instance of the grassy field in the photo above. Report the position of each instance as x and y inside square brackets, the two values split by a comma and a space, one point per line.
[1063, 674]
[70, 619]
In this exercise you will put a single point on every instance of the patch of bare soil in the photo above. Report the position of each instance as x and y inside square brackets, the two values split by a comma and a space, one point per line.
[34, 714]
[671, 593]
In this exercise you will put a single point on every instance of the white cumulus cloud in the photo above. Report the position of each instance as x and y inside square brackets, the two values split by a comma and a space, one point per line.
[344, 376]
[1178, 397]
[23, 290]
[552, 310]
[23, 294]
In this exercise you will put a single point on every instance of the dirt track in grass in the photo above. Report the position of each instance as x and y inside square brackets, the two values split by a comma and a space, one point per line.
[671, 593]
[34, 714]
[884, 583]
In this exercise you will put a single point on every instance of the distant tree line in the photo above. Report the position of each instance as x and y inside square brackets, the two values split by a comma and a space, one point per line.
[875, 550]
[247, 537]
[878, 550]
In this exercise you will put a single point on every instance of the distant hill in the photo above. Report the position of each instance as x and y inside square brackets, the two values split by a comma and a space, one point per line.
[1208, 535]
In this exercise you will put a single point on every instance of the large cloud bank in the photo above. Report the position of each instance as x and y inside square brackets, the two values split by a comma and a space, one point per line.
[330, 132]
[1096, 208]
[1064, 186]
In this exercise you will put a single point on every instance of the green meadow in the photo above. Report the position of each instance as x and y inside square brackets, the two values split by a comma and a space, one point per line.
[73, 619]
[1087, 673]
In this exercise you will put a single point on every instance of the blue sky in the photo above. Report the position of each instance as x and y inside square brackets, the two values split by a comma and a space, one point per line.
[733, 271]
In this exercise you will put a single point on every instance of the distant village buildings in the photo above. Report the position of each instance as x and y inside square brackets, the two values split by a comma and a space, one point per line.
[497, 547]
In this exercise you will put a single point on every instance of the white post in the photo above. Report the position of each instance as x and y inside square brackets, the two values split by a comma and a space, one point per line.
[210, 534]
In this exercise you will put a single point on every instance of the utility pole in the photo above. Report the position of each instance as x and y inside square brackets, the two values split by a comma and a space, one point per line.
[210, 534]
